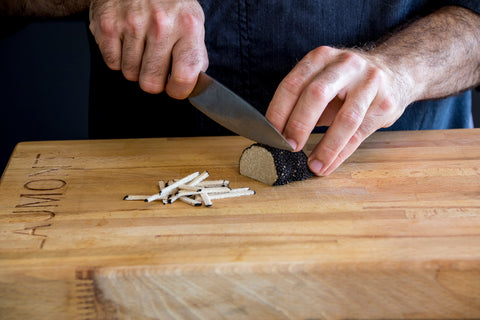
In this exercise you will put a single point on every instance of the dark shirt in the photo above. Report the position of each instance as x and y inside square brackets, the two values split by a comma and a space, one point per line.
[252, 45]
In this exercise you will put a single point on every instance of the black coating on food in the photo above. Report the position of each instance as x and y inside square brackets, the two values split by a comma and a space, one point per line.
[290, 166]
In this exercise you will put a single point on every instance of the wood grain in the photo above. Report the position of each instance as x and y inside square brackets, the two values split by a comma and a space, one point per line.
[394, 233]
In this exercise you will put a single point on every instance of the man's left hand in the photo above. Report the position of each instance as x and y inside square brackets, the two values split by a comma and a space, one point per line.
[349, 91]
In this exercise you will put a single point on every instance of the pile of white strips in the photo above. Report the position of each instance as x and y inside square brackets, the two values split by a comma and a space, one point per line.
[193, 190]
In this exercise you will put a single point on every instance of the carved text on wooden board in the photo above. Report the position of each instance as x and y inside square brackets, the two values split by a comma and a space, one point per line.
[41, 196]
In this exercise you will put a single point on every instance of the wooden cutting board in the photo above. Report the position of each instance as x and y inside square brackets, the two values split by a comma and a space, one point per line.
[394, 233]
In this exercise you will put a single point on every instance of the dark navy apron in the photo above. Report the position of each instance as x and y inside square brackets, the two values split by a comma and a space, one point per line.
[252, 45]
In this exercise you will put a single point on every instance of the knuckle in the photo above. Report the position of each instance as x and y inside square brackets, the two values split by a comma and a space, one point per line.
[161, 23]
[353, 60]
[107, 26]
[298, 128]
[292, 84]
[135, 24]
[130, 71]
[328, 150]
[177, 91]
[190, 22]
[376, 75]
[150, 85]
[276, 117]
[390, 113]
[321, 52]
[387, 106]
[183, 79]
[305, 67]
[351, 118]
[357, 138]
[374, 78]
[130, 75]
[318, 90]
[185, 75]
[111, 59]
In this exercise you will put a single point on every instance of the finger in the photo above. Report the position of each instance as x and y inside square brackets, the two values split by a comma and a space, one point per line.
[155, 67]
[107, 36]
[368, 127]
[318, 94]
[187, 62]
[133, 45]
[112, 53]
[156, 58]
[189, 57]
[346, 123]
[381, 114]
[291, 87]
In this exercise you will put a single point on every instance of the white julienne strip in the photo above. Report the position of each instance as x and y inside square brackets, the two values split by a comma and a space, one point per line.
[190, 201]
[168, 190]
[194, 190]
[199, 179]
[231, 194]
[189, 188]
[214, 183]
[136, 197]
[156, 196]
[179, 194]
[206, 199]
[215, 190]
[240, 190]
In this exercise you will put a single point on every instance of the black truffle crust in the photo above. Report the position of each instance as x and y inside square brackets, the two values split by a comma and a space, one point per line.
[290, 166]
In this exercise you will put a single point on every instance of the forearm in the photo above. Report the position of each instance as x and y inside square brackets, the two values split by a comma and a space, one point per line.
[42, 8]
[436, 56]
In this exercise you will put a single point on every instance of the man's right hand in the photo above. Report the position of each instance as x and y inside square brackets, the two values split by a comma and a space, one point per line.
[159, 43]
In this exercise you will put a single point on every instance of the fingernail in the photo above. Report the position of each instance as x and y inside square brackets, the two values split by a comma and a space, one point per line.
[292, 143]
[315, 166]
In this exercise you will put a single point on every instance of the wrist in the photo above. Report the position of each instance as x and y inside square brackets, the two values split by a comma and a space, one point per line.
[404, 76]
[399, 79]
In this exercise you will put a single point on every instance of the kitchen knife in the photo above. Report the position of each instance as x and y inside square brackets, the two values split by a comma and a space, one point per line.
[228, 109]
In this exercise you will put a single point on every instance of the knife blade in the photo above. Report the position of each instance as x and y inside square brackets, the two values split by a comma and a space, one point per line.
[229, 110]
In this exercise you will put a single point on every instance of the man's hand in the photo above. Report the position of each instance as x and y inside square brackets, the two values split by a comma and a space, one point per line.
[159, 43]
[357, 92]
[344, 89]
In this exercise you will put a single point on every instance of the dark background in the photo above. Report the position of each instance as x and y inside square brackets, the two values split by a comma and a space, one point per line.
[44, 77]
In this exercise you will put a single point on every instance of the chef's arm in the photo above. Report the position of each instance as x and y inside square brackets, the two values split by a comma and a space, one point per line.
[159, 43]
[355, 92]
[42, 8]
[440, 54]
